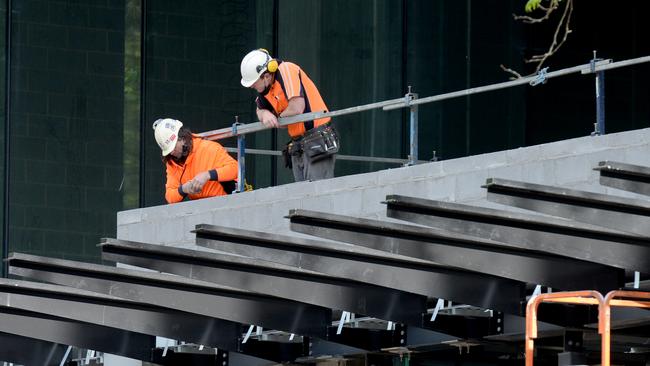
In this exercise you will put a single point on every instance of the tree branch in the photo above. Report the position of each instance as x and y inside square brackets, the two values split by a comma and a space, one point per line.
[563, 27]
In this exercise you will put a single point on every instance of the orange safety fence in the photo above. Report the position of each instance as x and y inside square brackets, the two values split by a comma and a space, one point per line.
[634, 299]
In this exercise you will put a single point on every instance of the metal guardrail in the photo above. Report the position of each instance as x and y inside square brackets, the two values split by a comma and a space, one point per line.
[410, 100]
[367, 159]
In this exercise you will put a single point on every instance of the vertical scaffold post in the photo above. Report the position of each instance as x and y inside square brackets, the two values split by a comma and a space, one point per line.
[241, 157]
[413, 127]
[600, 97]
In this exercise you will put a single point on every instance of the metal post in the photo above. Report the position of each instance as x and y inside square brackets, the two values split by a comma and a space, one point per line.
[241, 157]
[599, 127]
[65, 356]
[413, 127]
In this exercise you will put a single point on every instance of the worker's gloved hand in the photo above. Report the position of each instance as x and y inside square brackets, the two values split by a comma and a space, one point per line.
[268, 119]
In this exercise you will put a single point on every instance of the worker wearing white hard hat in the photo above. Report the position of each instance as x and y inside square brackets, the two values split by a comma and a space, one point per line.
[285, 90]
[196, 168]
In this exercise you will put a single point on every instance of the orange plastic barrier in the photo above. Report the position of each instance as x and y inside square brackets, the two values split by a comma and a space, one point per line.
[618, 298]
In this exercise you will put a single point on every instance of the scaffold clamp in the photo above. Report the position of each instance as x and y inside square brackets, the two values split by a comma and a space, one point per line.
[234, 125]
[540, 78]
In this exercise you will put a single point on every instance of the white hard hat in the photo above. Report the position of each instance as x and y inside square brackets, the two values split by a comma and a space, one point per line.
[254, 64]
[166, 132]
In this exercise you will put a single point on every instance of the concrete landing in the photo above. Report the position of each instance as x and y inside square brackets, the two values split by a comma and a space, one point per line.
[567, 163]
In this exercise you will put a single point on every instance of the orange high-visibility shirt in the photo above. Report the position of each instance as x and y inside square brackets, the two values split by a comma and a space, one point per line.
[205, 155]
[291, 81]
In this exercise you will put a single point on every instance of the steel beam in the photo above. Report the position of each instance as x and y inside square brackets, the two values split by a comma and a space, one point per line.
[618, 213]
[271, 279]
[75, 333]
[371, 266]
[150, 287]
[531, 232]
[460, 251]
[178, 293]
[109, 311]
[627, 177]
[29, 351]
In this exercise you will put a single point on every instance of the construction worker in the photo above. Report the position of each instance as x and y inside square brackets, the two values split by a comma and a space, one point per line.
[284, 90]
[196, 168]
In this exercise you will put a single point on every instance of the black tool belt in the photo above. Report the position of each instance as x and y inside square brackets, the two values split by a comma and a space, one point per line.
[317, 143]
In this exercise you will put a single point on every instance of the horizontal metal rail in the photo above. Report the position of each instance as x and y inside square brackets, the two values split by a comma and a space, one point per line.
[586, 68]
[397, 103]
[400, 102]
[258, 126]
[615, 65]
[370, 159]
[410, 100]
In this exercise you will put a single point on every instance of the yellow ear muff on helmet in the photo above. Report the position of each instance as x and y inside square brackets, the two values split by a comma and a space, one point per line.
[271, 63]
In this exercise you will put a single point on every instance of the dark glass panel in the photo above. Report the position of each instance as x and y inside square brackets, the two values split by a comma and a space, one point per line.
[67, 99]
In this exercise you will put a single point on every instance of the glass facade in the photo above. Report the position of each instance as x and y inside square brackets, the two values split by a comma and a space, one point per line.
[88, 78]
[3, 123]
[66, 118]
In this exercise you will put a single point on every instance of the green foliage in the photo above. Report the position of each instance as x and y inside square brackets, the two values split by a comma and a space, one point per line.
[531, 5]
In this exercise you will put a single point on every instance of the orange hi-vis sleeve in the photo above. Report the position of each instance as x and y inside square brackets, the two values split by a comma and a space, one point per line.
[290, 82]
[205, 155]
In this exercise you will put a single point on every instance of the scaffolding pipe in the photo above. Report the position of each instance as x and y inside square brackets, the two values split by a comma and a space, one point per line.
[599, 126]
[504, 85]
[413, 127]
[241, 157]
[258, 126]
[367, 159]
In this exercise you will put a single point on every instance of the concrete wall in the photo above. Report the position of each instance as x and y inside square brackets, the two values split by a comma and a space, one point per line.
[566, 163]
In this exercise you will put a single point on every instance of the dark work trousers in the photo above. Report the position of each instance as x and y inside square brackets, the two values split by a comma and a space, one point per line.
[304, 170]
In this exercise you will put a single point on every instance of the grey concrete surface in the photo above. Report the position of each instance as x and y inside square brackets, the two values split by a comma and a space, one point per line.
[566, 163]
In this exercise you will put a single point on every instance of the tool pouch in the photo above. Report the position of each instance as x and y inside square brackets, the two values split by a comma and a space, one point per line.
[320, 143]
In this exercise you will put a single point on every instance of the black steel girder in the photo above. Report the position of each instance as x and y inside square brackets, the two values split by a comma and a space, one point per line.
[75, 333]
[367, 265]
[29, 351]
[627, 177]
[617, 213]
[187, 295]
[271, 279]
[109, 311]
[178, 293]
[531, 232]
[461, 251]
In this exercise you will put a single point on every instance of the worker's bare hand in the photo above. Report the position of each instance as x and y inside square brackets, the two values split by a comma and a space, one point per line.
[268, 119]
[190, 187]
[200, 180]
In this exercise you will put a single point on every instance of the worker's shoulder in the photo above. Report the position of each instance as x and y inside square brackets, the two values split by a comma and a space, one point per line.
[288, 65]
[202, 144]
